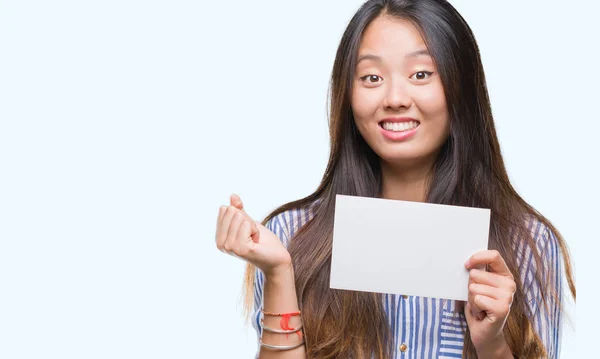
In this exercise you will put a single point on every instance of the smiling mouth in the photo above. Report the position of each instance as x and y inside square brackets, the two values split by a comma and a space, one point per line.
[399, 126]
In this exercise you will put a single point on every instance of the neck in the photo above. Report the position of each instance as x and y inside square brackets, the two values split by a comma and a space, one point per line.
[406, 183]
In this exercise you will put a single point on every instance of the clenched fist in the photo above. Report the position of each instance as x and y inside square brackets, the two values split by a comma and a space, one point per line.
[240, 236]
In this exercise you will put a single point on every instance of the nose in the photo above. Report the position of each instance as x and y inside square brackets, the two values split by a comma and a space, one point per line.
[397, 97]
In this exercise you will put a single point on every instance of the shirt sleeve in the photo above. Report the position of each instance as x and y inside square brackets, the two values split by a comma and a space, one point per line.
[545, 317]
[274, 225]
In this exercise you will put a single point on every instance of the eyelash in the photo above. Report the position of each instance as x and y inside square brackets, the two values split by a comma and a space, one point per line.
[428, 73]
[364, 78]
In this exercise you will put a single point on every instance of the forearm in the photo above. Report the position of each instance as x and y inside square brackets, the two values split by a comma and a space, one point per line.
[279, 296]
[497, 350]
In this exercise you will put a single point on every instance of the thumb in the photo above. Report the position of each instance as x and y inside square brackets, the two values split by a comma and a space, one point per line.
[469, 314]
[236, 201]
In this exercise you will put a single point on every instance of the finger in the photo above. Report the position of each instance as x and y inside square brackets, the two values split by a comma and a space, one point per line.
[253, 227]
[488, 291]
[493, 259]
[499, 294]
[222, 210]
[230, 241]
[494, 309]
[469, 313]
[243, 246]
[476, 312]
[225, 223]
[239, 249]
[492, 279]
[236, 201]
[255, 232]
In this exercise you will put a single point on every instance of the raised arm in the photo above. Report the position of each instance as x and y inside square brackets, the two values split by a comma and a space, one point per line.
[280, 334]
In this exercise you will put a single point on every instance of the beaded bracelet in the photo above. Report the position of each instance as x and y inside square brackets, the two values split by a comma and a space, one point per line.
[292, 314]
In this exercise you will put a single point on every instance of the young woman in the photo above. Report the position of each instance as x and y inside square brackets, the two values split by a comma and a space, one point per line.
[410, 120]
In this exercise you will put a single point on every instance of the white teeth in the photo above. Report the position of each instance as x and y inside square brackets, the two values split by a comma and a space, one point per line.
[399, 126]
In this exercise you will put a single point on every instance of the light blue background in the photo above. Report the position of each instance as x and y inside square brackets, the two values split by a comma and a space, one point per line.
[125, 124]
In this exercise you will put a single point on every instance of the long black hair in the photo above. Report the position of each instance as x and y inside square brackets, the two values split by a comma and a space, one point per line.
[469, 171]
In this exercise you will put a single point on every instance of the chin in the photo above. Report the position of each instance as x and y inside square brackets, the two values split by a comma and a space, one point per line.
[403, 157]
[407, 156]
[405, 150]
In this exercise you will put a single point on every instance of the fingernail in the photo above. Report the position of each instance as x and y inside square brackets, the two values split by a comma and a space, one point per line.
[467, 264]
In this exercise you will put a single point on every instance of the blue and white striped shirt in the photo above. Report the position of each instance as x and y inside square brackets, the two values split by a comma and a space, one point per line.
[429, 327]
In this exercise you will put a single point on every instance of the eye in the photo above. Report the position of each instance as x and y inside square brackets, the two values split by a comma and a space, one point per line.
[372, 79]
[421, 75]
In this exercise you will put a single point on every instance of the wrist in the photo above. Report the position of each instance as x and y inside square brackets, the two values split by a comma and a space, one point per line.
[496, 349]
[280, 274]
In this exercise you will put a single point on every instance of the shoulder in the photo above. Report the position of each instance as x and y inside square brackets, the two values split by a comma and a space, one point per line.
[538, 256]
[543, 238]
[287, 223]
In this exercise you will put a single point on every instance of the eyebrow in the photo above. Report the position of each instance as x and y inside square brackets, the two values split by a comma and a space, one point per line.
[376, 58]
[418, 53]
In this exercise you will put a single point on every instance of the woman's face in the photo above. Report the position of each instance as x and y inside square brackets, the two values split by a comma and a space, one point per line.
[397, 98]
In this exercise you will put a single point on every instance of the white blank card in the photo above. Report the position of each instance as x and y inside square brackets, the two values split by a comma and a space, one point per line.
[401, 247]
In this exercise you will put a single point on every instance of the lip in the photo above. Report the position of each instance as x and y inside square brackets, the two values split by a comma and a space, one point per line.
[398, 136]
[399, 119]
